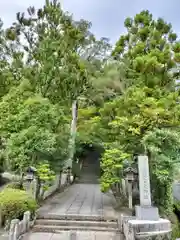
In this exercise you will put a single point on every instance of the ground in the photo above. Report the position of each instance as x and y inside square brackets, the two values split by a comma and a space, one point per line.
[78, 235]
[79, 200]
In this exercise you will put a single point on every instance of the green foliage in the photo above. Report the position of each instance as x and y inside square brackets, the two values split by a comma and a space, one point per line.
[175, 222]
[126, 104]
[111, 165]
[31, 125]
[22, 147]
[175, 231]
[57, 56]
[163, 148]
[15, 185]
[14, 203]
[144, 117]
[45, 174]
[151, 47]
[59, 51]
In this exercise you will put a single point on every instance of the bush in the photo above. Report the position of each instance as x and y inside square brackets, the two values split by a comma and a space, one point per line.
[14, 203]
[15, 185]
[175, 231]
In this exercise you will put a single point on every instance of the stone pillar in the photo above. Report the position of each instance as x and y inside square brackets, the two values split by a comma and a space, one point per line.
[59, 183]
[72, 134]
[16, 230]
[14, 222]
[34, 188]
[124, 187]
[130, 194]
[26, 221]
[68, 175]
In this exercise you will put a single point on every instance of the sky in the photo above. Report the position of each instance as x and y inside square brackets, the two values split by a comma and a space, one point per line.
[107, 16]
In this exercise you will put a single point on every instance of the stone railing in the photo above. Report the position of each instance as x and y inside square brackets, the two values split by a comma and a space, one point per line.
[134, 229]
[59, 183]
[18, 228]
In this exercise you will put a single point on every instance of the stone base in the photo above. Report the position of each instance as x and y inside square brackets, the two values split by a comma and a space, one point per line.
[147, 213]
[146, 230]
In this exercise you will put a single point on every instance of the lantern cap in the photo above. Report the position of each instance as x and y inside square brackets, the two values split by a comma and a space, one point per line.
[130, 170]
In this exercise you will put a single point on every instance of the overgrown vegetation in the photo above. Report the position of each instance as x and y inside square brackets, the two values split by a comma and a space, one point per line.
[128, 97]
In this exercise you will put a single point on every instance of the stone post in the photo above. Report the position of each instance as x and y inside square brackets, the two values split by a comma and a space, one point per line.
[26, 221]
[130, 194]
[14, 222]
[34, 188]
[16, 230]
[145, 211]
[59, 183]
[72, 134]
[68, 175]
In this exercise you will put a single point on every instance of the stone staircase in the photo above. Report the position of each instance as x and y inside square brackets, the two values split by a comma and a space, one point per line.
[78, 224]
[81, 212]
[90, 172]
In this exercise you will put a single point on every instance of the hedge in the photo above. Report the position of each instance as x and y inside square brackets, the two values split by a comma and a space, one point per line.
[14, 202]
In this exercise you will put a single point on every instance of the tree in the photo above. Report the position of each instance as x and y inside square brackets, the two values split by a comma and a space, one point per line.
[31, 127]
[148, 105]
[60, 52]
[151, 47]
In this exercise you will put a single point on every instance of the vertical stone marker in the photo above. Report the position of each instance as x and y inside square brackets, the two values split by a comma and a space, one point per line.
[145, 211]
[144, 182]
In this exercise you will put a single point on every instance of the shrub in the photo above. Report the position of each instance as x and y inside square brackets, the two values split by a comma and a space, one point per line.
[15, 185]
[175, 231]
[14, 203]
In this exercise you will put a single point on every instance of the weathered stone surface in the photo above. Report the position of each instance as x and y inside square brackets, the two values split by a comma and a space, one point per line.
[147, 213]
[71, 235]
[141, 229]
[144, 181]
[84, 200]
[164, 236]
[79, 202]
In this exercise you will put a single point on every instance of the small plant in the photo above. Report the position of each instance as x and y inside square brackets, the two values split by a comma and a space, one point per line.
[13, 204]
[15, 185]
[45, 178]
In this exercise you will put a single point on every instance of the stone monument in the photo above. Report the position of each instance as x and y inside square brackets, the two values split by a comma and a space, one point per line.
[145, 211]
[146, 224]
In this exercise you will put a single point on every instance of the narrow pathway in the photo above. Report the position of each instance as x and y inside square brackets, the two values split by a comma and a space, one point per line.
[80, 202]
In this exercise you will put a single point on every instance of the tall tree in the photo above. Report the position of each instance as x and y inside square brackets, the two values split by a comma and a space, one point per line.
[148, 106]
[57, 51]
[152, 49]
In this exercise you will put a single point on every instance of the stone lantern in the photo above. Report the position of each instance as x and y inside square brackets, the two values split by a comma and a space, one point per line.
[130, 176]
[30, 174]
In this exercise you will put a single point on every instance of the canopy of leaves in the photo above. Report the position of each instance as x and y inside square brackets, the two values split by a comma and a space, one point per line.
[31, 125]
[146, 105]
[46, 62]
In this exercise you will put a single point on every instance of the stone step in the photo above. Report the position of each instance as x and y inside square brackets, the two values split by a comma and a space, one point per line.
[69, 235]
[76, 217]
[87, 181]
[56, 229]
[104, 224]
